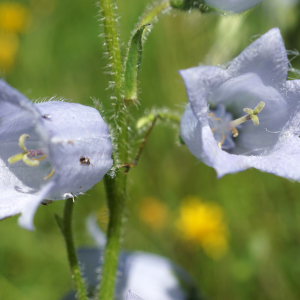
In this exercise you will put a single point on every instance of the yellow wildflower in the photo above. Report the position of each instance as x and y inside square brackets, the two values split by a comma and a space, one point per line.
[9, 44]
[203, 223]
[153, 212]
[14, 17]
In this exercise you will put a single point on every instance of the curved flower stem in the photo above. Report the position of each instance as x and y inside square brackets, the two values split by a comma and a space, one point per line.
[65, 226]
[149, 16]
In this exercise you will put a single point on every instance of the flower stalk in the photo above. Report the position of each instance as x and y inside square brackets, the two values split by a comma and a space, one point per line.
[65, 226]
[115, 187]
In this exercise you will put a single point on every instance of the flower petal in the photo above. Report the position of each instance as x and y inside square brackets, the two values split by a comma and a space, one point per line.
[266, 57]
[68, 140]
[233, 6]
[247, 91]
[200, 83]
[190, 132]
[31, 205]
[15, 202]
[284, 161]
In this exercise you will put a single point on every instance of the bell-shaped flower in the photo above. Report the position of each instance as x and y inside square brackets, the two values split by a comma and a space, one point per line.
[51, 150]
[140, 275]
[247, 115]
[222, 6]
[233, 6]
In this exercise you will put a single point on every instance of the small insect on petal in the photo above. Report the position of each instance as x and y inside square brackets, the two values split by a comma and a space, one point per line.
[47, 116]
[84, 160]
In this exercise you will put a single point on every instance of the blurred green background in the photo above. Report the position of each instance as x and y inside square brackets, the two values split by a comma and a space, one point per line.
[59, 52]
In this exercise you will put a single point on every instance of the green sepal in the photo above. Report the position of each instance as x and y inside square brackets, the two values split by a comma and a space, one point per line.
[133, 63]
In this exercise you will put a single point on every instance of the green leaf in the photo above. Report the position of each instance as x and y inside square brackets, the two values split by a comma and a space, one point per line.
[133, 63]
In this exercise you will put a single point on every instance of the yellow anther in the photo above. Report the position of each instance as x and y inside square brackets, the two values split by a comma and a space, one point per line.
[213, 116]
[22, 142]
[213, 129]
[27, 155]
[15, 158]
[29, 162]
[41, 158]
[222, 142]
[234, 131]
[48, 176]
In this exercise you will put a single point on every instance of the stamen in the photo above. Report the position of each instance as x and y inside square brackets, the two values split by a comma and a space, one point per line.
[29, 162]
[213, 116]
[41, 158]
[27, 155]
[51, 173]
[234, 131]
[222, 142]
[213, 129]
[22, 141]
[15, 158]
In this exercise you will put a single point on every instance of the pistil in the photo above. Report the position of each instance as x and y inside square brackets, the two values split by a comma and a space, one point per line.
[251, 115]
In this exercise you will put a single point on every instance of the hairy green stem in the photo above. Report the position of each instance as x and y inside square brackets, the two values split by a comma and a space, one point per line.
[116, 186]
[115, 189]
[65, 226]
[113, 47]
[153, 12]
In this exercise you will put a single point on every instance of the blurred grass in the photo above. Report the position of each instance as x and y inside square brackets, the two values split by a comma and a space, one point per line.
[61, 54]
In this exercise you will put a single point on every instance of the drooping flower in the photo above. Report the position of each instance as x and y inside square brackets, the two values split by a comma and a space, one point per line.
[147, 275]
[246, 115]
[203, 224]
[233, 6]
[130, 296]
[52, 150]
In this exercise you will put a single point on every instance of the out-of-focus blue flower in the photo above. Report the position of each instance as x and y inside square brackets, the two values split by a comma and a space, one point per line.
[149, 276]
[220, 125]
[234, 6]
[130, 296]
[52, 150]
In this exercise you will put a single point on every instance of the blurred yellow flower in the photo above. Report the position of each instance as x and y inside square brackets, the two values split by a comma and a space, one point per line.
[153, 212]
[9, 44]
[14, 17]
[203, 223]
